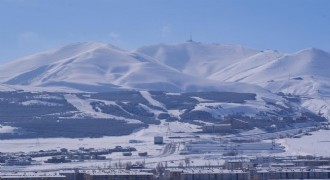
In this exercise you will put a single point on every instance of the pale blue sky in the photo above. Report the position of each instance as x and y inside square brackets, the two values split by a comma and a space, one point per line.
[30, 26]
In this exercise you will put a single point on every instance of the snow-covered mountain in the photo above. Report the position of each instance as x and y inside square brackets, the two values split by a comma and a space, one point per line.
[189, 66]
[233, 63]
[90, 67]
[96, 67]
[202, 82]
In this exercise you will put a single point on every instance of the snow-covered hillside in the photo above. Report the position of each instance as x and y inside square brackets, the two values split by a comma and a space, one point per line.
[198, 59]
[304, 74]
[4, 87]
[275, 66]
[54, 114]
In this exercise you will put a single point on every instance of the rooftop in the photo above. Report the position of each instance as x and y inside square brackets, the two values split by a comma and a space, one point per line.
[115, 172]
[204, 171]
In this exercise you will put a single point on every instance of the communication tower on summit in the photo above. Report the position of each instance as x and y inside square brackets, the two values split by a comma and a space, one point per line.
[190, 39]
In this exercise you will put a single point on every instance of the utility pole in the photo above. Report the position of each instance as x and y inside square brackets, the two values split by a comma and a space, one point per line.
[37, 142]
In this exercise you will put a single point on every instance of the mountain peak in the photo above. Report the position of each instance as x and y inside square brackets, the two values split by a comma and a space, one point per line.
[195, 58]
[314, 54]
[313, 51]
[85, 46]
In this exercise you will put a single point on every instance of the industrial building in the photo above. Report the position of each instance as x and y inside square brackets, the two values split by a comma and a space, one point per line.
[158, 140]
[143, 153]
[216, 128]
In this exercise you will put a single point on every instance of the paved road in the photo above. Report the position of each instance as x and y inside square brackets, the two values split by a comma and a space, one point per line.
[169, 149]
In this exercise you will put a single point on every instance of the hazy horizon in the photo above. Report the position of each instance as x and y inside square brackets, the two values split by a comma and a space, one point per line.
[32, 26]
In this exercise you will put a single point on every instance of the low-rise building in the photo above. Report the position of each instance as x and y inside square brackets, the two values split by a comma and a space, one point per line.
[216, 128]
[291, 173]
[17, 162]
[32, 176]
[264, 160]
[238, 164]
[205, 173]
[143, 153]
[158, 140]
[310, 162]
[127, 154]
[118, 175]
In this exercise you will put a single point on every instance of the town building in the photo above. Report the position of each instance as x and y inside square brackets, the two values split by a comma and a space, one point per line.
[291, 173]
[205, 174]
[216, 128]
[32, 176]
[117, 175]
[158, 140]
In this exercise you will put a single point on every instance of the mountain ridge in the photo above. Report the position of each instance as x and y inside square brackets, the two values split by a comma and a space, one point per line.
[93, 66]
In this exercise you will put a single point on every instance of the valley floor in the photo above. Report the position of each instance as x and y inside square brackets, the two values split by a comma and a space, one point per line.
[170, 152]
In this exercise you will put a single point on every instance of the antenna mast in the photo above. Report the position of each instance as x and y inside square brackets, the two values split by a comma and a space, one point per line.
[190, 40]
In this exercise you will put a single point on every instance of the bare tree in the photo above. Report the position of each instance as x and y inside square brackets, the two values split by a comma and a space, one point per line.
[128, 165]
[160, 169]
[144, 162]
[109, 166]
[187, 161]
[181, 165]
[120, 164]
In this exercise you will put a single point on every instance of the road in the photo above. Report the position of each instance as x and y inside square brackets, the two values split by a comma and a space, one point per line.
[169, 149]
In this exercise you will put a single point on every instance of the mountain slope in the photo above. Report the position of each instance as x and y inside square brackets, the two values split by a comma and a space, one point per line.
[197, 59]
[250, 64]
[61, 114]
[303, 74]
[311, 62]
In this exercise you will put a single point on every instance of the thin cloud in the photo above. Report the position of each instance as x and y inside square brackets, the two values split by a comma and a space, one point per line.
[27, 39]
[166, 30]
[114, 35]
